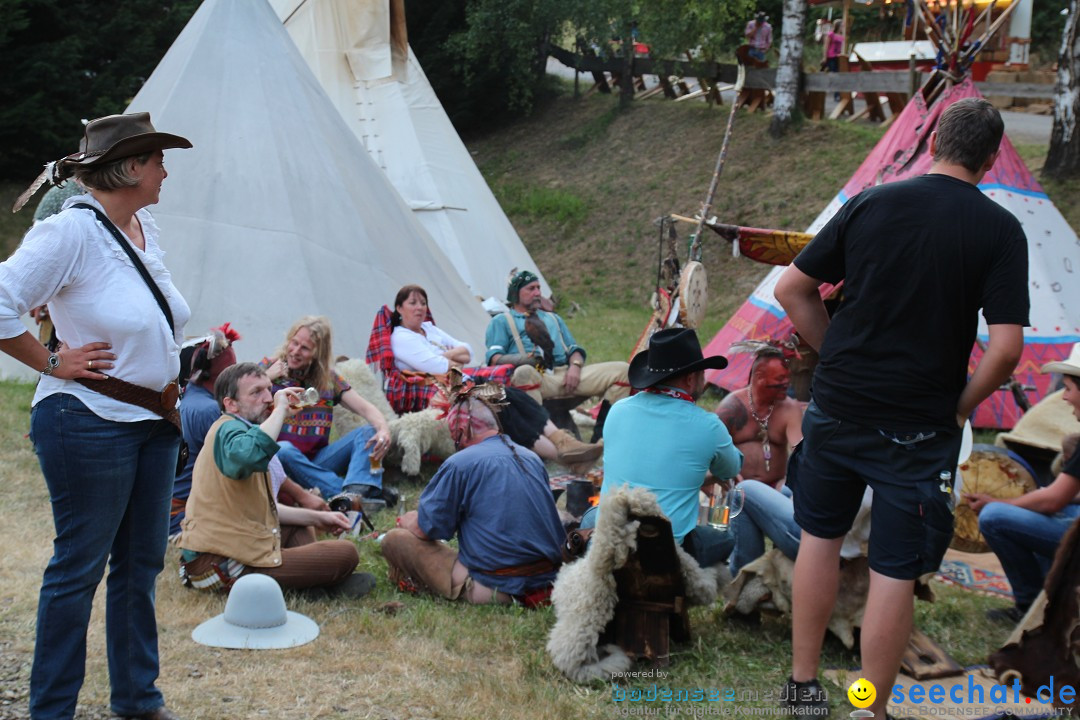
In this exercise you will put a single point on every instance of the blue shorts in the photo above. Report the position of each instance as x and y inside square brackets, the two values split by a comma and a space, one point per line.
[911, 518]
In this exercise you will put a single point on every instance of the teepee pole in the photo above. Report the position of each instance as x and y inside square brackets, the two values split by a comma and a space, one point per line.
[994, 27]
[695, 249]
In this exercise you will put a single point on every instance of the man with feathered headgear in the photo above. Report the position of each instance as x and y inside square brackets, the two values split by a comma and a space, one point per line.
[531, 338]
[202, 360]
[494, 496]
[763, 421]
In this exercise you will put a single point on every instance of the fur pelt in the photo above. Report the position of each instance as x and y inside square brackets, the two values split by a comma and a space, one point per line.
[766, 584]
[585, 596]
[417, 434]
[412, 435]
[363, 381]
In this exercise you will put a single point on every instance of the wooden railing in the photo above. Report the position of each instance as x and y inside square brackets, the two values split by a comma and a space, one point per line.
[883, 81]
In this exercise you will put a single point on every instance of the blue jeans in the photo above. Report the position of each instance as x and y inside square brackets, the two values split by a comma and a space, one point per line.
[110, 485]
[707, 545]
[766, 513]
[1025, 541]
[347, 455]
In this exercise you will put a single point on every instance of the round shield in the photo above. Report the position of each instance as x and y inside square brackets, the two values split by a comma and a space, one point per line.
[693, 294]
[996, 472]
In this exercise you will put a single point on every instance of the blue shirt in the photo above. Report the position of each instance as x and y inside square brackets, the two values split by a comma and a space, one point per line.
[500, 340]
[198, 412]
[502, 511]
[666, 445]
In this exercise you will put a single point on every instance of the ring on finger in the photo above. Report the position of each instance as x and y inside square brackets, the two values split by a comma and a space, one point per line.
[90, 364]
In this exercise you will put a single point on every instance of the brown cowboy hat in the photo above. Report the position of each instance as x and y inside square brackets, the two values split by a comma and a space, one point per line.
[119, 136]
[671, 352]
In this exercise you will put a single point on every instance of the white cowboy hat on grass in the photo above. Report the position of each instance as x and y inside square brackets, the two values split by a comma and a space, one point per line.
[255, 618]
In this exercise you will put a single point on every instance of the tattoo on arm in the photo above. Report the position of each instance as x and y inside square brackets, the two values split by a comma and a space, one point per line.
[733, 414]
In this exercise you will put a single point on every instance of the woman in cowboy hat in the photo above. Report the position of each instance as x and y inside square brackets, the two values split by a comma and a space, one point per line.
[104, 423]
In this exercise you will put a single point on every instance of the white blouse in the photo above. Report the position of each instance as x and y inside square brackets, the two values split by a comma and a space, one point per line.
[95, 294]
[423, 352]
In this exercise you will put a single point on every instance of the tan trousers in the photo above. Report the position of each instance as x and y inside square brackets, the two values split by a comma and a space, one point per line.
[606, 379]
[434, 568]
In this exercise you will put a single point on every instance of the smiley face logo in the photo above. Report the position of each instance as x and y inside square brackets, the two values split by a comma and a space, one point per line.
[862, 693]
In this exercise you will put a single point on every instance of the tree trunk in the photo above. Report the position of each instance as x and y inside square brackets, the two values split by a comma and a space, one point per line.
[789, 71]
[626, 84]
[1063, 158]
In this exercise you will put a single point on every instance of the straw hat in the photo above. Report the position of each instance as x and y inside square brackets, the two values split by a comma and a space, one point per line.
[1069, 366]
[255, 618]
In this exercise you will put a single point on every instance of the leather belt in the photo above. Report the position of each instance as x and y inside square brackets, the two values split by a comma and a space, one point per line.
[161, 403]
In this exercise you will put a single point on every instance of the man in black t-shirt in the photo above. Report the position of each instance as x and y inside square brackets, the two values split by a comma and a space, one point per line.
[918, 258]
[1024, 532]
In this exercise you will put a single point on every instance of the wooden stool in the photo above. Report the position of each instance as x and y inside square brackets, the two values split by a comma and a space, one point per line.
[651, 610]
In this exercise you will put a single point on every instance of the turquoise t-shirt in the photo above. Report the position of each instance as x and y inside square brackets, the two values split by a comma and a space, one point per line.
[666, 445]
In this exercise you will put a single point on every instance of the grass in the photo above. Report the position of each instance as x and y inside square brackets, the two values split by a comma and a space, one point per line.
[540, 203]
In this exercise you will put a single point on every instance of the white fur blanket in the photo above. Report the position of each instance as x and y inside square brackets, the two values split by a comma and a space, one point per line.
[412, 435]
[584, 596]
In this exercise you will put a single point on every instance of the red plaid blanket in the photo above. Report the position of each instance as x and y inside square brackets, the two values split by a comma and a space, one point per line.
[411, 392]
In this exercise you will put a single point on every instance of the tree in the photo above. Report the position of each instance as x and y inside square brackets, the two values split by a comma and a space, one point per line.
[789, 71]
[486, 58]
[1063, 157]
[65, 60]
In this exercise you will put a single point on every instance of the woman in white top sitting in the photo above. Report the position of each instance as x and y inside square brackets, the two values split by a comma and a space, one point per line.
[420, 346]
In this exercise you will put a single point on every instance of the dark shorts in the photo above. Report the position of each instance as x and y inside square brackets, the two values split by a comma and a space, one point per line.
[911, 518]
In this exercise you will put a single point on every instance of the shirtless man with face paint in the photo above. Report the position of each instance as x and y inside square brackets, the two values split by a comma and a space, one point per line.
[763, 421]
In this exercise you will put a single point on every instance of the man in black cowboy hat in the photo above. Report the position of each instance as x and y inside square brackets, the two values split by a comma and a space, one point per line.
[528, 337]
[659, 439]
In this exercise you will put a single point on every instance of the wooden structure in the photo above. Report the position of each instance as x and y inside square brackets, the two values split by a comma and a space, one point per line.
[652, 607]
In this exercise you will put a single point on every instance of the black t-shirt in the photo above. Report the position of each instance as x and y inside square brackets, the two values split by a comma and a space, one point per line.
[918, 258]
[1072, 467]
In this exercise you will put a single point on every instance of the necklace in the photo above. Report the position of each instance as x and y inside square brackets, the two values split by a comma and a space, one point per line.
[766, 448]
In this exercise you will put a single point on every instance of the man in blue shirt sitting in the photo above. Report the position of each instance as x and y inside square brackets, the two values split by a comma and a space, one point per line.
[494, 495]
[660, 440]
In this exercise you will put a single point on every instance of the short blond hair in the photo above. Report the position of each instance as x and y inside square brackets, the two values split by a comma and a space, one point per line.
[112, 175]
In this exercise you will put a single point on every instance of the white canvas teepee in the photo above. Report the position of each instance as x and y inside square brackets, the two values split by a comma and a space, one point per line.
[1053, 258]
[278, 211]
[358, 51]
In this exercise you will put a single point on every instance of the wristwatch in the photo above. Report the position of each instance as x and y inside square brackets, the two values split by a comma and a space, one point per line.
[52, 364]
[577, 363]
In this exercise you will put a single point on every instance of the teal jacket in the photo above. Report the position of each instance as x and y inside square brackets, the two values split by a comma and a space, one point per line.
[500, 340]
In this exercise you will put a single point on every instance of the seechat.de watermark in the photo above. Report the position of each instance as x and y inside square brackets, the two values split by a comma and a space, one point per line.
[920, 700]
[963, 699]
